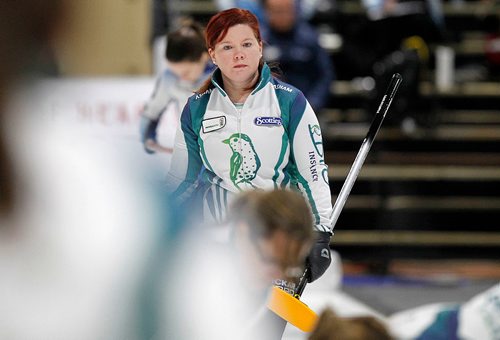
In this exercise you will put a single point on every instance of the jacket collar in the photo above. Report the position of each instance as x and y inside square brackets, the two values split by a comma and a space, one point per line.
[265, 77]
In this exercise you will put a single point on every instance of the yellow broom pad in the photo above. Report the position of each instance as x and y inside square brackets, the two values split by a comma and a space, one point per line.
[292, 310]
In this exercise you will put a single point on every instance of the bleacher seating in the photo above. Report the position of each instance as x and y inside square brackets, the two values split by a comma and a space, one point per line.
[434, 193]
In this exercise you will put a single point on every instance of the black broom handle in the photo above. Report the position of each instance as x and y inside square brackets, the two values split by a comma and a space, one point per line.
[358, 162]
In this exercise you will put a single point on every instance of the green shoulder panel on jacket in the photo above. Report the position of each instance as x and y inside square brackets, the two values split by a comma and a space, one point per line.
[292, 105]
[197, 106]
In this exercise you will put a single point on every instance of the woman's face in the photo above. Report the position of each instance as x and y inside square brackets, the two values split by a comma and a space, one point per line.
[238, 54]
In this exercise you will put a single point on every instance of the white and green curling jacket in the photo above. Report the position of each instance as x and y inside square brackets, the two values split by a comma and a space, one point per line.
[272, 141]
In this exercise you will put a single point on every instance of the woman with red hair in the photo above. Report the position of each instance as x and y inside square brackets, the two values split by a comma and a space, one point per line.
[245, 129]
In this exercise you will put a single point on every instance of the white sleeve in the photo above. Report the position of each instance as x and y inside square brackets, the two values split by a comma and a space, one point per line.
[186, 160]
[159, 98]
[312, 171]
[179, 161]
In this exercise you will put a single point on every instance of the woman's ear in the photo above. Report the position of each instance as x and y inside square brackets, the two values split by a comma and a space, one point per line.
[211, 53]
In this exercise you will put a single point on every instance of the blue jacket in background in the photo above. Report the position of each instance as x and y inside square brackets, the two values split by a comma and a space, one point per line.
[304, 63]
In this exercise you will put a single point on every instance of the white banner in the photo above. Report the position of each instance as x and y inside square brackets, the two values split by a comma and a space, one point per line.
[109, 109]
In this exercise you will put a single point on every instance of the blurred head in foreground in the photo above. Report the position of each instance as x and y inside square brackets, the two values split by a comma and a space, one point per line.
[26, 29]
[224, 285]
[272, 233]
[330, 326]
[74, 226]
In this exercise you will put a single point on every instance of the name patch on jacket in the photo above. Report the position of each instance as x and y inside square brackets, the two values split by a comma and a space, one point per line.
[268, 121]
[213, 124]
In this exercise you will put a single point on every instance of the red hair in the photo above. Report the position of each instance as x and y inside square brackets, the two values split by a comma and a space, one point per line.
[221, 22]
[218, 26]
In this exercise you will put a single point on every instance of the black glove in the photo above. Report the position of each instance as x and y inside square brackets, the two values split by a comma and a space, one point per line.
[319, 258]
[148, 131]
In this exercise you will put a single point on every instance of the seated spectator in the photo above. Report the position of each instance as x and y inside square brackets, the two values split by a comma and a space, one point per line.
[293, 43]
[251, 5]
[308, 8]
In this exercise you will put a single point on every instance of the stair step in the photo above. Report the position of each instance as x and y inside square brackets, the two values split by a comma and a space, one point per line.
[419, 172]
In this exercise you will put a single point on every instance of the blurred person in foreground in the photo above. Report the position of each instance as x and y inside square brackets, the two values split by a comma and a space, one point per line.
[476, 318]
[246, 130]
[330, 326]
[223, 286]
[188, 66]
[293, 44]
[75, 222]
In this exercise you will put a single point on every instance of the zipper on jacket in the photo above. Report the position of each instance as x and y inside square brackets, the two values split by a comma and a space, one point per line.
[239, 111]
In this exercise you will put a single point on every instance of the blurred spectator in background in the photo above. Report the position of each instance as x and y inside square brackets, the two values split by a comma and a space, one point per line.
[293, 43]
[188, 66]
[308, 8]
[251, 5]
